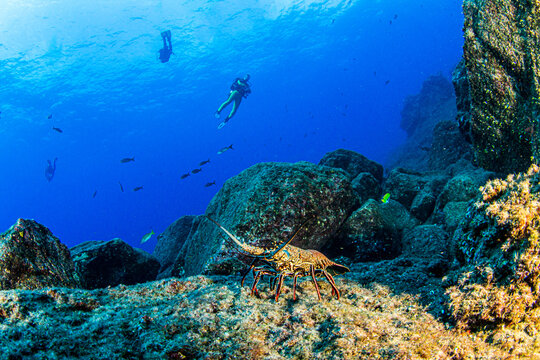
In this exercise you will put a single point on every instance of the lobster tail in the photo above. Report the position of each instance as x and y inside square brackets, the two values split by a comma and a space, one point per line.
[337, 269]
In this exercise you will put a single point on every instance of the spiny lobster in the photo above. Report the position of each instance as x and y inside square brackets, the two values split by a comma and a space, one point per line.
[287, 260]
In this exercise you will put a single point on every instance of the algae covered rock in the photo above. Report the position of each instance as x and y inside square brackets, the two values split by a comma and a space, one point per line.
[502, 57]
[352, 162]
[32, 258]
[264, 205]
[110, 263]
[373, 232]
[170, 242]
[499, 245]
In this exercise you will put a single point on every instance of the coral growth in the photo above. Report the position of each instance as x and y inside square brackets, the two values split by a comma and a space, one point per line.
[499, 243]
[212, 318]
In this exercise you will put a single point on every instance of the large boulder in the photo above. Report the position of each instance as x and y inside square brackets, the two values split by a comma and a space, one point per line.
[502, 56]
[353, 163]
[110, 263]
[373, 232]
[264, 205]
[32, 258]
[170, 242]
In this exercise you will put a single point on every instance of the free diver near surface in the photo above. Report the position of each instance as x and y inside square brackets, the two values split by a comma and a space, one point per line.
[50, 169]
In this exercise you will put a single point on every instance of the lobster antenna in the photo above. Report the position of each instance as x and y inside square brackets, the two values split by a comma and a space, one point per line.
[292, 237]
[248, 249]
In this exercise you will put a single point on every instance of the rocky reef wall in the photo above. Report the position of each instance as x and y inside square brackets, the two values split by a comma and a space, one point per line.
[501, 55]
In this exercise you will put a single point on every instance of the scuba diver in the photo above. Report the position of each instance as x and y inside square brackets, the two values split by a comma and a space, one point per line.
[239, 89]
[50, 169]
[165, 53]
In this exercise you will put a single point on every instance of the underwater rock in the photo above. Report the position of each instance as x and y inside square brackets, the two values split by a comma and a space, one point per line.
[420, 114]
[499, 246]
[373, 232]
[429, 242]
[367, 186]
[403, 185]
[502, 57]
[448, 146]
[31, 257]
[352, 162]
[453, 213]
[170, 242]
[423, 204]
[110, 263]
[463, 187]
[264, 205]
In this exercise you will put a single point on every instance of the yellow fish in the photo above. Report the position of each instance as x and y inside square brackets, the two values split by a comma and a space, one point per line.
[385, 198]
[21, 233]
[147, 237]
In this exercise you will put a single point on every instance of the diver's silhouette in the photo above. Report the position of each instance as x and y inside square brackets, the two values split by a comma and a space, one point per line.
[50, 169]
[165, 53]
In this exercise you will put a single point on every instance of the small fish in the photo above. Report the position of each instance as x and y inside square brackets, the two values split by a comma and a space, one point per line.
[183, 176]
[21, 234]
[138, 188]
[204, 162]
[387, 82]
[425, 148]
[210, 183]
[194, 171]
[49, 117]
[385, 198]
[395, 16]
[222, 150]
[121, 187]
[57, 129]
[147, 237]
[126, 160]
[94, 194]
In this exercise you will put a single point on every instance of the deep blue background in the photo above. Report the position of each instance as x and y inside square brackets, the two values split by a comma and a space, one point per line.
[325, 75]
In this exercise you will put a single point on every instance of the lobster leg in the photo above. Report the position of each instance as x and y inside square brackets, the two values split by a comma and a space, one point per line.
[280, 284]
[247, 272]
[294, 286]
[312, 271]
[255, 281]
[332, 283]
[273, 283]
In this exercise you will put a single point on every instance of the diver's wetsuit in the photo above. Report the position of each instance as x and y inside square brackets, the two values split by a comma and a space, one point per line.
[165, 53]
[239, 89]
[50, 169]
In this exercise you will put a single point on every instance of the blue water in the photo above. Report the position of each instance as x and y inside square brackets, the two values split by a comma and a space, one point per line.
[324, 75]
